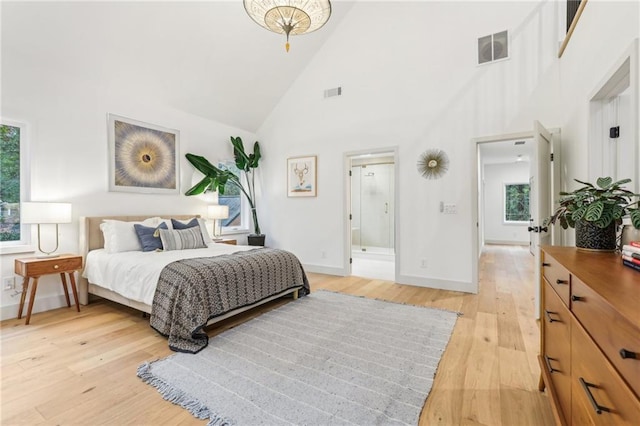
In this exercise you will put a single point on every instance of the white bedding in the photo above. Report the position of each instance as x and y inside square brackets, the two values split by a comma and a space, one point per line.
[134, 274]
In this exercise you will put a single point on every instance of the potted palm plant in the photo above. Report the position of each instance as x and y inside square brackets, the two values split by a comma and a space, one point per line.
[216, 179]
[595, 211]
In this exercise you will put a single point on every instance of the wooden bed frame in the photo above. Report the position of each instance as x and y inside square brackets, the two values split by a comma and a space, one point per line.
[91, 239]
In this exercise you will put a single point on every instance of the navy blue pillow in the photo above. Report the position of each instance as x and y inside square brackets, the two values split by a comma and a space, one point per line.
[149, 238]
[179, 225]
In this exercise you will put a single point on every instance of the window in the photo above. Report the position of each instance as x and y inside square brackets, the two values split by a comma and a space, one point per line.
[516, 202]
[14, 237]
[238, 220]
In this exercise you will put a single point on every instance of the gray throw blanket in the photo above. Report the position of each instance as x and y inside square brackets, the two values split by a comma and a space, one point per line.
[192, 291]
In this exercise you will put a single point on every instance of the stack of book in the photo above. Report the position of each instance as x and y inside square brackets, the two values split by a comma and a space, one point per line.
[631, 255]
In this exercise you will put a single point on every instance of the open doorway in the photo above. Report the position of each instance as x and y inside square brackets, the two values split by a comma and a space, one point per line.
[371, 204]
[544, 184]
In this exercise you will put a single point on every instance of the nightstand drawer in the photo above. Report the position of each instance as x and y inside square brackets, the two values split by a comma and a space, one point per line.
[37, 267]
[227, 241]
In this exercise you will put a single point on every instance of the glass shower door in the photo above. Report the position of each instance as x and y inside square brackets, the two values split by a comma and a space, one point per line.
[376, 208]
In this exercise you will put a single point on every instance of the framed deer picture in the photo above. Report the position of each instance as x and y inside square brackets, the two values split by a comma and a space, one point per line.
[302, 177]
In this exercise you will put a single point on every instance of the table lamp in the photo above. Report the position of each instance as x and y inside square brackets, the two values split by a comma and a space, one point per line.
[41, 213]
[217, 212]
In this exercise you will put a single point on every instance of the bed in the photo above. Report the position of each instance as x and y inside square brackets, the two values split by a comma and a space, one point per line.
[169, 285]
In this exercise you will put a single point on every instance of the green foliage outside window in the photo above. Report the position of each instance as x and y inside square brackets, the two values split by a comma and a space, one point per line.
[516, 208]
[231, 197]
[9, 183]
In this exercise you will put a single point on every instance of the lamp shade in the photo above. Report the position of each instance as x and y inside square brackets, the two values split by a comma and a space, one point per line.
[35, 212]
[290, 17]
[217, 211]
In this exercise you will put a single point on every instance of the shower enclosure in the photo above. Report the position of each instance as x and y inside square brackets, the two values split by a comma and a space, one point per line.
[372, 208]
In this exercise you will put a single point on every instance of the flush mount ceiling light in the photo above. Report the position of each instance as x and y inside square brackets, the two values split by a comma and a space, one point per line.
[433, 164]
[290, 17]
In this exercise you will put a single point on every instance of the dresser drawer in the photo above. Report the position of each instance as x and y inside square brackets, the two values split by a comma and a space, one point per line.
[37, 267]
[557, 276]
[595, 382]
[610, 331]
[557, 352]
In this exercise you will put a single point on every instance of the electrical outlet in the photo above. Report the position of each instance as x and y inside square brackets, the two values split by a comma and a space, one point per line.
[423, 263]
[450, 208]
[8, 283]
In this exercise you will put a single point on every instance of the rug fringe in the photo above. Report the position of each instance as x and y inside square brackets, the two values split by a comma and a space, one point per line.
[179, 397]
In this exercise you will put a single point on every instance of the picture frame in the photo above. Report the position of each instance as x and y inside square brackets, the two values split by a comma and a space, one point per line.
[143, 157]
[302, 176]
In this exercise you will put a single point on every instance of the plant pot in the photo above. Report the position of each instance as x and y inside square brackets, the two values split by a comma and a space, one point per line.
[256, 240]
[590, 237]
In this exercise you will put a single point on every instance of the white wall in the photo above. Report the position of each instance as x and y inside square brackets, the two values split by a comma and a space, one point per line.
[412, 82]
[605, 31]
[67, 114]
[495, 177]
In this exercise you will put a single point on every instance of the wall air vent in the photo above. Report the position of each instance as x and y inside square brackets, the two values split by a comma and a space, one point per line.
[337, 91]
[493, 47]
[519, 143]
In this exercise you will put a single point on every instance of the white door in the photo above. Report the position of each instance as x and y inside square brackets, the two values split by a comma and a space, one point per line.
[542, 185]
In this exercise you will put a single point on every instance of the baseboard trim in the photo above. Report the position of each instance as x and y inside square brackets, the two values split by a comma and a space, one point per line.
[41, 304]
[507, 243]
[320, 269]
[462, 286]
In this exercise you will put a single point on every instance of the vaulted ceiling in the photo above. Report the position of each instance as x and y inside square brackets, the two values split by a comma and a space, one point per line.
[204, 58]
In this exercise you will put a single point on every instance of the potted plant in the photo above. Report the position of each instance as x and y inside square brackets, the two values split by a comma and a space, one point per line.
[215, 179]
[595, 211]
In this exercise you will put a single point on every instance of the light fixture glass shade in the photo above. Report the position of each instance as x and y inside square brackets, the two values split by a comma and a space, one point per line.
[40, 212]
[217, 211]
[290, 17]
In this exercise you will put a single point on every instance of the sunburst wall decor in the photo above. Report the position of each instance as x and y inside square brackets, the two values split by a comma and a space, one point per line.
[433, 164]
[144, 157]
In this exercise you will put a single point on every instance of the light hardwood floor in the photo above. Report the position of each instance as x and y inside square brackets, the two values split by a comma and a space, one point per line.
[80, 368]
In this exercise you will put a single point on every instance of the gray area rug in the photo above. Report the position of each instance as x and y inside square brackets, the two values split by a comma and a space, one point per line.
[325, 359]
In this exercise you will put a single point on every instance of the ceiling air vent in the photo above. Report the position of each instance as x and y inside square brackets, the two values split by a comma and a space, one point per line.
[337, 91]
[493, 47]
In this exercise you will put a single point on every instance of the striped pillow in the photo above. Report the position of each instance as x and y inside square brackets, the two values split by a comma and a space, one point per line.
[182, 239]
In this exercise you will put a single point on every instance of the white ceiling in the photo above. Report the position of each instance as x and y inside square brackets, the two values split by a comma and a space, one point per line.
[506, 151]
[205, 58]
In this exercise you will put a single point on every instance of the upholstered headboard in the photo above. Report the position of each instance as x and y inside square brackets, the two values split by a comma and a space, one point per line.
[91, 237]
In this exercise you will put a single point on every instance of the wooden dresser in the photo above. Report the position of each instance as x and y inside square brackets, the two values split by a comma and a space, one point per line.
[590, 337]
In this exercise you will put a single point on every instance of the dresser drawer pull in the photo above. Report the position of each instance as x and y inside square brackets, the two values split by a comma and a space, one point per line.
[562, 281]
[546, 264]
[548, 314]
[577, 298]
[628, 354]
[548, 360]
[56, 266]
[597, 408]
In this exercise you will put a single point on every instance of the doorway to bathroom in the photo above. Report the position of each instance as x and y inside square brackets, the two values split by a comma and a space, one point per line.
[372, 179]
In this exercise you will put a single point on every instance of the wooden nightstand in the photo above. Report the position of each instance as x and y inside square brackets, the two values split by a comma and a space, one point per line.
[227, 241]
[33, 268]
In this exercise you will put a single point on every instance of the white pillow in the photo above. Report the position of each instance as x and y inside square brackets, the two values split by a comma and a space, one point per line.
[121, 236]
[203, 228]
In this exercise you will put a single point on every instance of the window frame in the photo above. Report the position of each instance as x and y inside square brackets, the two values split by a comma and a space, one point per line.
[504, 204]
[244, 227]
[24, 244]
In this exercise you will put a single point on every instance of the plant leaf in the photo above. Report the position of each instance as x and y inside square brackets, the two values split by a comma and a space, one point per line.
[635, 217]
[604, 182]
[242, 160]
[200, 187]
[202, 165]
[594, 211]
[579, 213]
